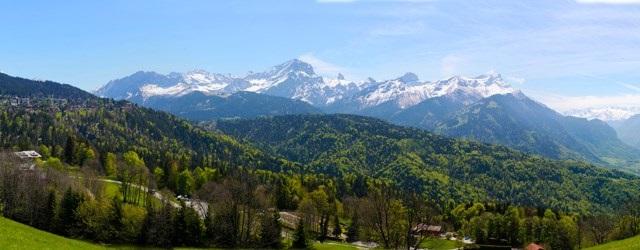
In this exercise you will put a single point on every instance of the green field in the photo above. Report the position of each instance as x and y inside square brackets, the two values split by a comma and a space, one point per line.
[440, 244]
[14, 235]
[332, 245]
[626, 244]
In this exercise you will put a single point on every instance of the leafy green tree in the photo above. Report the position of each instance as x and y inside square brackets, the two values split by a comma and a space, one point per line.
[55, 163]
[158, 175]
[110, 165]
[186, 183]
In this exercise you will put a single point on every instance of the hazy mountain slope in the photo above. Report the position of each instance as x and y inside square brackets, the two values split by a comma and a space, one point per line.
[629, 130]
[445, 168]
[519, 122]
[465, 107]
[198, 106]
[129, 86]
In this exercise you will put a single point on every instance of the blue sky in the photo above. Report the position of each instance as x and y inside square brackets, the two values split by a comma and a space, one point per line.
[567, 54]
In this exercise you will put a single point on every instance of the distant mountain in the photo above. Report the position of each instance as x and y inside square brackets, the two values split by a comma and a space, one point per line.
[20, 87]
[516, 121]
[296, 79]
[407, 91]
[484, 108]
[293, 79]
[105, 125]
[605, 114]
[444, 168]
[200, 107]
[628, 130]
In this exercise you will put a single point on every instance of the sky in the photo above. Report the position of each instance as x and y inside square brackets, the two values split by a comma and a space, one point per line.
[568, 54]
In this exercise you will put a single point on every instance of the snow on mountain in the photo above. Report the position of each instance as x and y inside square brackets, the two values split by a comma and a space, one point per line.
[297, 80]
[605, 113]
[407, 91]
[193, 81]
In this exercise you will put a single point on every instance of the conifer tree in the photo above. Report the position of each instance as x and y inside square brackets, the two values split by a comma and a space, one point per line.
[300, 237]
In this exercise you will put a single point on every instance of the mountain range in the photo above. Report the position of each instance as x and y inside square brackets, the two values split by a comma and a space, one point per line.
[484, 108]
[348, 148]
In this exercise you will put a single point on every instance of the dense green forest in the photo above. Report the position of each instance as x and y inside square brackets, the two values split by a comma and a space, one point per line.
[447, 170]
[79, 132]
[110, 172]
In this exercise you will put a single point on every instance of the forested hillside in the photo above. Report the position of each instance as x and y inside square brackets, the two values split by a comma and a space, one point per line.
[328, 175]
[197, 106]
[20, 87]
[446, 169]
[79, 132]
[518, 122]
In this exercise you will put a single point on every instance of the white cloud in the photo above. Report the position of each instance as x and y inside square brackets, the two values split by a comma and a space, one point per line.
[565, 103]
[322, 67]
[452, 65]
[609, 1]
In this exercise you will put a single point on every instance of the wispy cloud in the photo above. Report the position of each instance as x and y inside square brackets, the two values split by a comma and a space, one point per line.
[322, 67]
[631, 87]
[452, 65]
[563, 103]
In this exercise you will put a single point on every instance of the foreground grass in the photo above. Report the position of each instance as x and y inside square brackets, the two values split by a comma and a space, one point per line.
[14, 235]
[440, 244]
[332, 245]
[626, 244]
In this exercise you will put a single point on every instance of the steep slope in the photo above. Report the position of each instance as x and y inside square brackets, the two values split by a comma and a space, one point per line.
[629, 130]
[69, 129]
[20, 87]
[14, 235]
[516, 121]
[626, 244]
[465, 107]
[129, 86]
[440, 167]
[197, 106]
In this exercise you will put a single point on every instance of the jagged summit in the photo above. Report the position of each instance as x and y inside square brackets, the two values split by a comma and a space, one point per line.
[297, 79]
[409, 78]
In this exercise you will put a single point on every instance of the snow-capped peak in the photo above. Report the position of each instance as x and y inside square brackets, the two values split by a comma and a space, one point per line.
[297, 79]
[409, 78]
[407, 91]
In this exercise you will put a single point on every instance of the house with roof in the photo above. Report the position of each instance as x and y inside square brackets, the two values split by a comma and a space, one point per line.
[27, 159]
[426, 229]
[534, 246]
